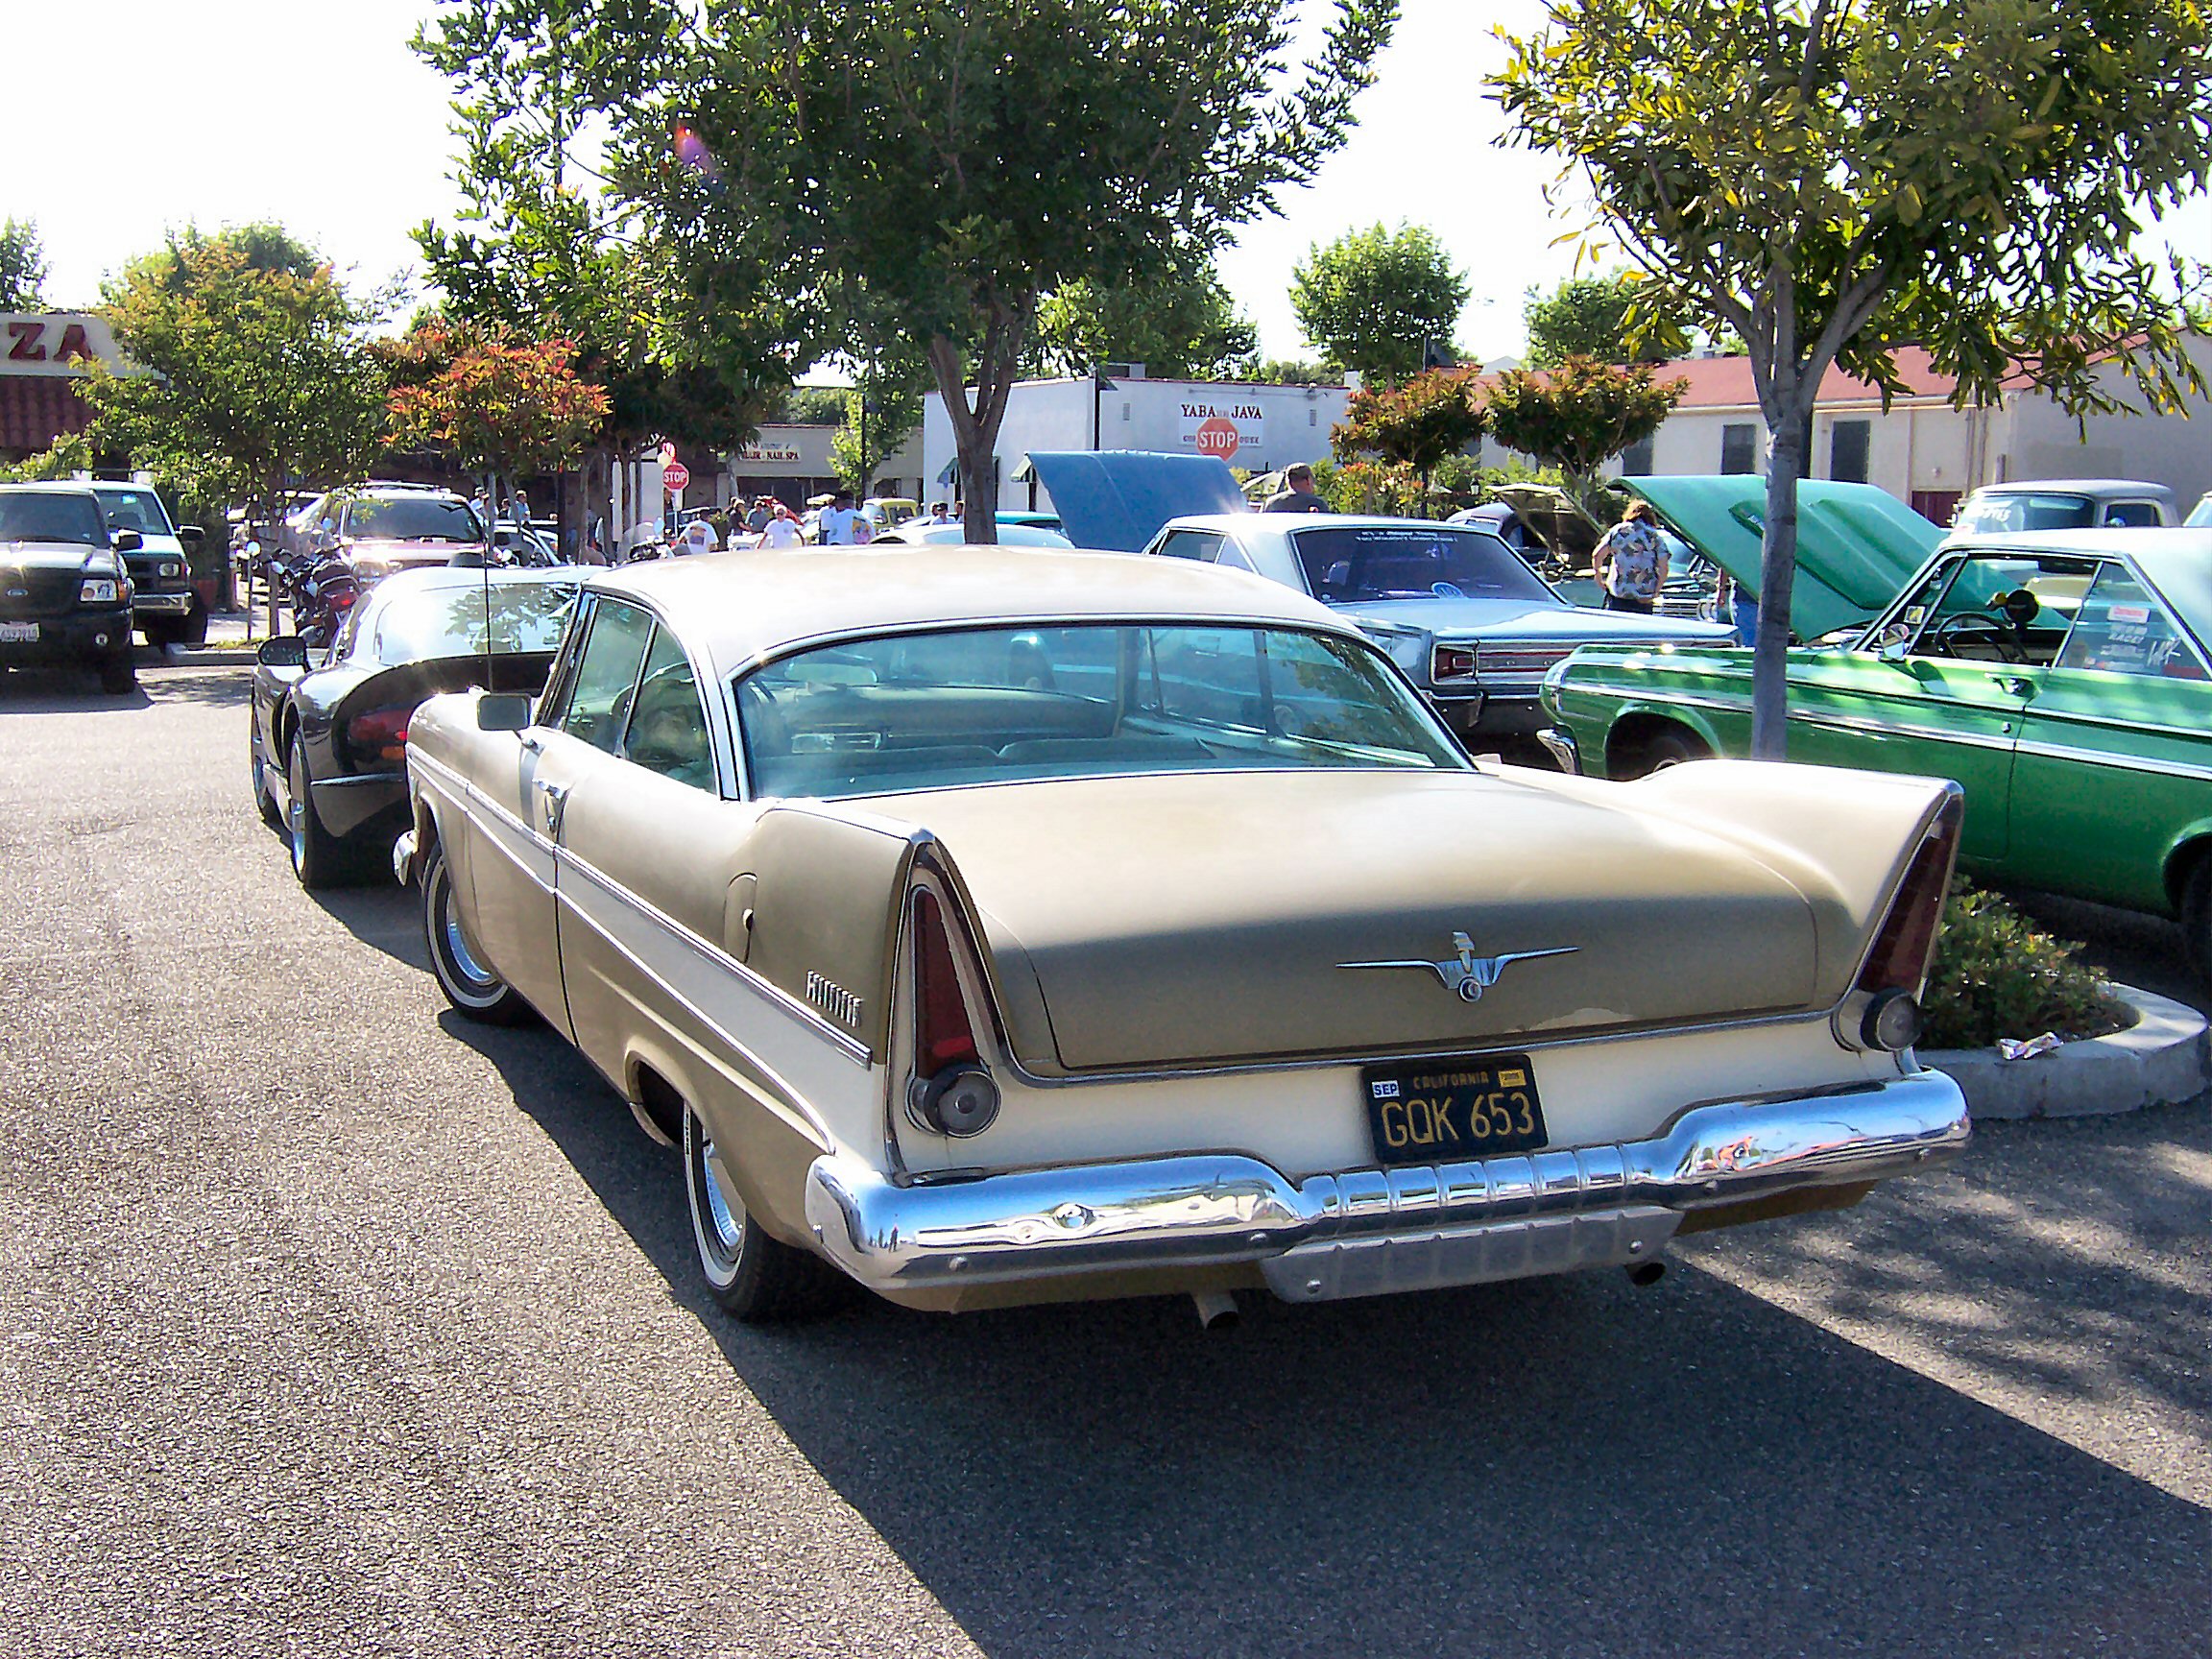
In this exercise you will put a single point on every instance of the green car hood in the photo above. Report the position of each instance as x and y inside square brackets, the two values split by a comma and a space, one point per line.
[1857, 546]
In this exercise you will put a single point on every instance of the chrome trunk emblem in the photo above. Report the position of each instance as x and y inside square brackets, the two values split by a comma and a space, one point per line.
[1468, 976]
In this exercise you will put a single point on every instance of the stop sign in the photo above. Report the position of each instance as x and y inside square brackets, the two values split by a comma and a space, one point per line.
[675, 475]
[1219, 437]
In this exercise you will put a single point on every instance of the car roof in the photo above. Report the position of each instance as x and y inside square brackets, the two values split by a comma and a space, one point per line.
[2098, 487]
[742, 606]
[48, 486]
[2176, 561]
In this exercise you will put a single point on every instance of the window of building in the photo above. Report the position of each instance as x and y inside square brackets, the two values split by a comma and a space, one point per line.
[1636, 459]
[1739, 448]
[1848, 442]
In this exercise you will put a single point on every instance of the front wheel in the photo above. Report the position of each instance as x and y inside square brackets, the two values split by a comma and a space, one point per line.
[472, 988]
[749, 1274]
[118, 673]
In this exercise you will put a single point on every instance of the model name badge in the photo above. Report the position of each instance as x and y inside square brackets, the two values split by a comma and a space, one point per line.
[835, 1000]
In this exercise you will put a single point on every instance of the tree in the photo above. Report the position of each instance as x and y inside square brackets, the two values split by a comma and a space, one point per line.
[1378, 302]
[1182, 326]
[257, 373]
[1417, 423]
[880, 414]
[501, 405]
[1581, 414]
[23, 267]
[940, 169]
[1623, 319]
[544, 250]
[1292, 372]
[1829, 179]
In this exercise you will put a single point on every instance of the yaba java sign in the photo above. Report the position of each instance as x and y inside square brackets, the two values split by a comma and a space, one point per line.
[1220, 427]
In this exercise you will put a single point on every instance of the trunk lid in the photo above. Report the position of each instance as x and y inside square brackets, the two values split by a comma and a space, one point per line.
[1169, 921]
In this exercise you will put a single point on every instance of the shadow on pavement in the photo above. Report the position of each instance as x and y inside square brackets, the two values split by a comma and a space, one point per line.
[1562, 1467]
[380, 914]
[62, 692]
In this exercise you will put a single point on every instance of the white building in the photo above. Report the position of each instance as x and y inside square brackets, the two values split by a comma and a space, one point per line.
[1922, 451]
[1254, 428]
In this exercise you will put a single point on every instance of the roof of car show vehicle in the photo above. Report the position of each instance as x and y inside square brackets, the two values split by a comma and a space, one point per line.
[742, 606]
[2175, 561]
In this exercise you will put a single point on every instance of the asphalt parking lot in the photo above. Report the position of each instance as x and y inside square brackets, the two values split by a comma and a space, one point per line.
[331, 1324]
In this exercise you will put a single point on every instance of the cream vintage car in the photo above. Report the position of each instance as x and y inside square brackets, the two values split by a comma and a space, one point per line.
[991, 926]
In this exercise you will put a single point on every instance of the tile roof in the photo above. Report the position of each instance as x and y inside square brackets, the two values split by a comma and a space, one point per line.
[35, 409]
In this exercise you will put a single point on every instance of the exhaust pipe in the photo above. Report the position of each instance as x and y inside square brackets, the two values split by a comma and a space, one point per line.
[1216, 1308]
[1642, 1274]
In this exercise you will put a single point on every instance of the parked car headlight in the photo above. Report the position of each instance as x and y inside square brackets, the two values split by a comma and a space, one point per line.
[171, 569]
[97, 591]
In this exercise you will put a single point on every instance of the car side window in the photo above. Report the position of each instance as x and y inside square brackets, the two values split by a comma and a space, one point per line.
[1198, 545]
[2123, 629]
[606, 679]
[1211, 675]
[2131, 515]
[2002, 607]
[668, 730]
[1234, 557]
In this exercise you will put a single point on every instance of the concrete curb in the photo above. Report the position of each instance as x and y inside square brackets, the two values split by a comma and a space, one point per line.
[197, 657]
[2163, 1057]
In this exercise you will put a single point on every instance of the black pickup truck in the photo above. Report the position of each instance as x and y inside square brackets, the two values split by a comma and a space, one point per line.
[64, 584]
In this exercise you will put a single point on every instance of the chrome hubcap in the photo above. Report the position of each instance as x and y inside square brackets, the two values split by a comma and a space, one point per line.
[457, 949]
[728, 1223]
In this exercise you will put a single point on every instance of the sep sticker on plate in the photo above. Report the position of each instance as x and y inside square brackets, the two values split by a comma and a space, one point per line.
[1438, 1111]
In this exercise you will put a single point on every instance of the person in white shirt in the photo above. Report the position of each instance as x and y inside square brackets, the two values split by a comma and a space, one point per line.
[837, 520]
[698, 537]
[781, 531]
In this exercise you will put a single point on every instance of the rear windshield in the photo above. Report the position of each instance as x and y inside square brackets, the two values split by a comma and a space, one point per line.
[2027, 512]
[138, 510]
[1000, 704]
[449, 621]
[1352, 562]
[38, 515]
[411, 518]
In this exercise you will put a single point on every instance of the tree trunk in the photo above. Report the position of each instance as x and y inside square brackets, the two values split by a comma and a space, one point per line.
[1777, 567]
[975, 426]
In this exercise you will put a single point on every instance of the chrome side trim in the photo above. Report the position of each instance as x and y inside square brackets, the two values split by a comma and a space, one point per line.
[1356, 1232]
[2118, 763]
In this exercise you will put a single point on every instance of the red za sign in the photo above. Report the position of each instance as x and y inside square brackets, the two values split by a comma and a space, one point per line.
[1216, 437]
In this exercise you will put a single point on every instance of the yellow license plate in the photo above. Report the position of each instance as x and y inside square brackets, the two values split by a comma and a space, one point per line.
[1435, 1111]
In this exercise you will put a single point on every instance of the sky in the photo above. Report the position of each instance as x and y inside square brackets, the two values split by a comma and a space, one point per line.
[318, 116]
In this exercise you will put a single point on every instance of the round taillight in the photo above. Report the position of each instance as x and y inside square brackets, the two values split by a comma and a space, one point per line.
[1892, 1021]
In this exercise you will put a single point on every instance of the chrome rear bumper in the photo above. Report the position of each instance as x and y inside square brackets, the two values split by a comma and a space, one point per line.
[1367, 1231]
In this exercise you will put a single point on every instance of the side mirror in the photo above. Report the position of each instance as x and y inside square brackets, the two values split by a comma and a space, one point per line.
[503, 711]
[285, 651]
[1893, 650]
[191, 537]
[129, 541]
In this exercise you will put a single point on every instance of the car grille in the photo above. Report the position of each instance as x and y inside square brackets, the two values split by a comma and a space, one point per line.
[37, 592]
[1494, 663]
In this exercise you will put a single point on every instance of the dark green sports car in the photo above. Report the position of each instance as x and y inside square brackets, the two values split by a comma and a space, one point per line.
[2059, 676]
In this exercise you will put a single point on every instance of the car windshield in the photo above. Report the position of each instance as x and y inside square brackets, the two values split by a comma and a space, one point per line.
[411, 518]
[1353, 561]
[1002, 704]
[449, 621]
[2026, 511]
[138, 510]
[50, 516]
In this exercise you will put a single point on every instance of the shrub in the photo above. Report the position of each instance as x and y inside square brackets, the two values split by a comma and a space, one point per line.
[1998, 975]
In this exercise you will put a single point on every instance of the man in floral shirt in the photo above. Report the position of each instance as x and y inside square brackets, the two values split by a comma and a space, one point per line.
[1630, 561]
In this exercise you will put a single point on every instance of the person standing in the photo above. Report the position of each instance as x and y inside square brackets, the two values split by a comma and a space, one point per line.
[763, 510]
[519, 507]
[1298, 495]
[940, 513]
[1630, 561]
[781, 531]
[837, 520]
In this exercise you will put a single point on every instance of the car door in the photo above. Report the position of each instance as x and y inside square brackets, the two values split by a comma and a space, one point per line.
[1940, 690]
[513, 864]
[2115, 764]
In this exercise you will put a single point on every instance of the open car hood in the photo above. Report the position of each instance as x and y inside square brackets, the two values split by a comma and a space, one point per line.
[1117, 499]
[1857, 546]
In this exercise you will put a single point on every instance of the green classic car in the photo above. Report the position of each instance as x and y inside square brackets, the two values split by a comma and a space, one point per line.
[2059, 676]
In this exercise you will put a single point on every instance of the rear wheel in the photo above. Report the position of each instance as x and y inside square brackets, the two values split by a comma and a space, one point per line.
[319, 858]
[749, 1274]
[472, 987]
[264, 798]
[2196, 917]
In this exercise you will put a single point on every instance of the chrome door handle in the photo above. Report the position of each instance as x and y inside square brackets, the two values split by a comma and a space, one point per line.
[2015, 684]
[555, 798]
